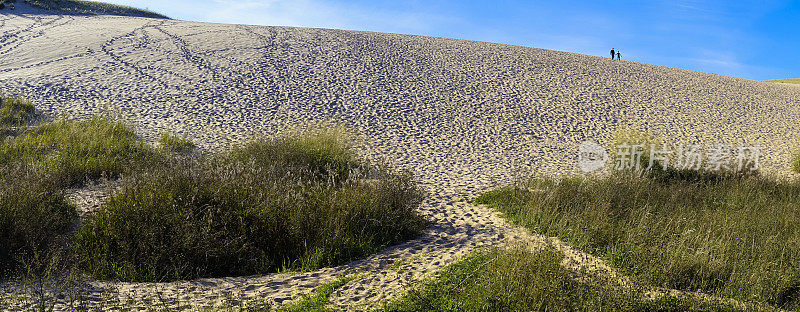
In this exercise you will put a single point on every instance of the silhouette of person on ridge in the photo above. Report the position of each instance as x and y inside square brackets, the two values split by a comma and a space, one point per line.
[619, 56]
[612, 53]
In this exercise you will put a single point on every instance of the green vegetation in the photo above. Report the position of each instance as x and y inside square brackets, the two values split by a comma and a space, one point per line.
[317, 301]
[299, 202]
[795, 163]
[69, 152]
[794, 80]
[175, 143]
[521, 280]
[633, 136]
[15, 113]
[35, 164]
[91, 7]
[730, 237]
[34, 216]
[292, 203]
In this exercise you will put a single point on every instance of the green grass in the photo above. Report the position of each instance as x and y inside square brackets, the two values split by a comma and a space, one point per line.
[736, 237]
[176, 144]
[317, 301]
[34, 217]
[795, 162]
[92, 7]
[794, 80]
[521, 280]
[15, 113]
[69, 152]
[297, 203]
[37, 163]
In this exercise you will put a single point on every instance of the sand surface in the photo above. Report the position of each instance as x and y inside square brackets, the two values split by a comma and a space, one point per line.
[464, 116]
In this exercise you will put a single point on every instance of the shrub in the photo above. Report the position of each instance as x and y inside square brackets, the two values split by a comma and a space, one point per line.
[796, 159]
[269, 205]
[634, 136]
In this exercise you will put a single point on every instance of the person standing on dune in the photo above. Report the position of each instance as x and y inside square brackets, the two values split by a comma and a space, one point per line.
[619, 56]
[612, 53]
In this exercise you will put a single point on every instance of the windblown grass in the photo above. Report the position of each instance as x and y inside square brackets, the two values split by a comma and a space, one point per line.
[521, 280]
[92, 7]
[293, 203]
[69, 152]
[733, 237]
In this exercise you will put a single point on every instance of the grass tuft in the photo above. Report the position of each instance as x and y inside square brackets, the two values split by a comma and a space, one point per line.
[317, 301]
[34, 216]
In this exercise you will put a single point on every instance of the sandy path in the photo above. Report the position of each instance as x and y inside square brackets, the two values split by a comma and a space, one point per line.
[464, 116]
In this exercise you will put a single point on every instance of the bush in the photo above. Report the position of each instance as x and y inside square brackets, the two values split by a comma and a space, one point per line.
[726, 237]
[296, 203]
[796, 159]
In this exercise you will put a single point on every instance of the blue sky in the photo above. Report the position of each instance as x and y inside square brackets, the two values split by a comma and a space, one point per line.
[749, 39]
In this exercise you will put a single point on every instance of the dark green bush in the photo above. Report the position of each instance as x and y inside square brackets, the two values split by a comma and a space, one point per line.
[267, 206]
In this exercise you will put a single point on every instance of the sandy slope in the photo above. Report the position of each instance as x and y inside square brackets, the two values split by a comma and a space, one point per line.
[464, 116]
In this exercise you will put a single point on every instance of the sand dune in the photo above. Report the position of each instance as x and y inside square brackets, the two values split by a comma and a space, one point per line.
[464, 116]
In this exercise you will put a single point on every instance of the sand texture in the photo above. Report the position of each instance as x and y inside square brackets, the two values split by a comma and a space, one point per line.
[463, 116]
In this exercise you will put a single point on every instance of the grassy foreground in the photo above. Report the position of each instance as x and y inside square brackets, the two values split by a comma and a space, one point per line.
[734, 238]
